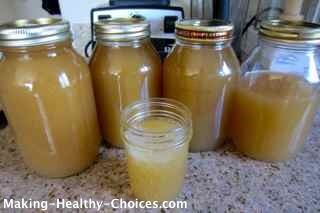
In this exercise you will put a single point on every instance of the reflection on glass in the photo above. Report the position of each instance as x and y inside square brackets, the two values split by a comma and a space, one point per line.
[64, 80]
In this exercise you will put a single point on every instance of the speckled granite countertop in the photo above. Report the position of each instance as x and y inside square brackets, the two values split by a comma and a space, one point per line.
[218, 181]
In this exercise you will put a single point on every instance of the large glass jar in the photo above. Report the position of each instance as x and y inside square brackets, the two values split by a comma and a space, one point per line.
[47, 96]
[200, 72]
[277, 95]
[125, 68]
[156, 134]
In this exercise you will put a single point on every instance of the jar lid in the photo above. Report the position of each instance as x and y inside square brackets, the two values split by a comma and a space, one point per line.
[31, 32]
[291, 31]
[122, 29]
[204, 31]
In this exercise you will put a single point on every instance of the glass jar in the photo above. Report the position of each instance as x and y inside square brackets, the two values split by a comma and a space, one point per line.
[277, 95]
[200, 72]
[125, 68]
[47, 96]
[156, 134]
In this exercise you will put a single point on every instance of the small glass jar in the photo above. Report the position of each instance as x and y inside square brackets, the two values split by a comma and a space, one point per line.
[47, 96]
[200, 72]
[277, 95]
[125, 68]
[156, 134]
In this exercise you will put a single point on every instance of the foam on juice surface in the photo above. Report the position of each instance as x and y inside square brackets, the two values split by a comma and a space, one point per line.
[154, 125]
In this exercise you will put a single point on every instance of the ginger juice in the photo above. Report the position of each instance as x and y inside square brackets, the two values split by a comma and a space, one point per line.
[277, 95]
[125, 67]
[201, 72]
[272, 114]
[47, 95]
[157, 147]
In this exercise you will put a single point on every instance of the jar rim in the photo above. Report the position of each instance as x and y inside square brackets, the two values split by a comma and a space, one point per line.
[205, 31]
[33, 32]
[291, 31]
[182, 131]
[122, 29]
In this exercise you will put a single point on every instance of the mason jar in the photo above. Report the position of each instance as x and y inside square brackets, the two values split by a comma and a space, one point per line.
[156, 133]
[278, 92]
[200, 72]
[125, 68]
[47, 96]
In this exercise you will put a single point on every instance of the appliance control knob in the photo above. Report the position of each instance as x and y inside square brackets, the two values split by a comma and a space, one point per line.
[103, 17]
[169, 24]
[138, 16]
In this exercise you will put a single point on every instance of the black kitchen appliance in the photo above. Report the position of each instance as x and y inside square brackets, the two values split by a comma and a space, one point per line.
[160, 16]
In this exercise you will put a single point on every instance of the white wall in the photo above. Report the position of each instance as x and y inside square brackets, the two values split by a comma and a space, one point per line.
[79, 11]
[6, 10]
[29, 9]
[17, 9]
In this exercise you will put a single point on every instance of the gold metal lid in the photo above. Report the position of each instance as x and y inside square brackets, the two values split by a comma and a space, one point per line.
[122, 29]
[32, 32]
[204, 31]
[291, 31]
